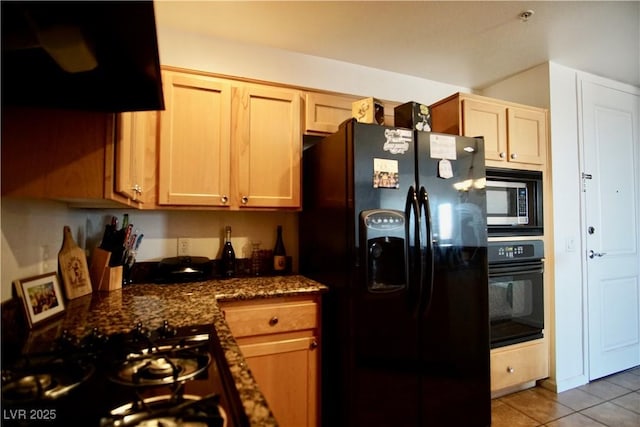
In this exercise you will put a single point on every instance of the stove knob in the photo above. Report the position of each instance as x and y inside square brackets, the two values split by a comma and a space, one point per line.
[67, 340]
[167, 331]
[94, 340]
[140, 332]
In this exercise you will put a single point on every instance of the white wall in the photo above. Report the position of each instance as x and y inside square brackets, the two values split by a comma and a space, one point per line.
[31, 226]
[530, 87]
[27, 226]
[187, 50]
[570, 301]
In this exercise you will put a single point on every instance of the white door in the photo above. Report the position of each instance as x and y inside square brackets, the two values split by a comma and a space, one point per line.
[611, 191]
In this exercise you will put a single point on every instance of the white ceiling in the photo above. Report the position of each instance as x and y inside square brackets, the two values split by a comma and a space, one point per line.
[471, 44]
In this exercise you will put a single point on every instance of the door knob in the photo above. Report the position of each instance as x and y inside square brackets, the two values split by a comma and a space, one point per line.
[591, 230]
[593, 254]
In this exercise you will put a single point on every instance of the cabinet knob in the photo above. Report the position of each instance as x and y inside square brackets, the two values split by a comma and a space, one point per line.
[245, 200]
[273, 321]
[503, 155]
[510, 369]
[224, 199]
[314, 344]
[514, 156]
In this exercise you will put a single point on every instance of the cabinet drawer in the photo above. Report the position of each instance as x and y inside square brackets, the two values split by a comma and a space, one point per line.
[271, 318]
[520, 365]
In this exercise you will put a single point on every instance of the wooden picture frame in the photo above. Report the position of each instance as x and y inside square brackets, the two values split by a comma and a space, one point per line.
[41, 297]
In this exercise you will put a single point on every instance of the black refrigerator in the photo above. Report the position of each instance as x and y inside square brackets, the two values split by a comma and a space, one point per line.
[394, 223]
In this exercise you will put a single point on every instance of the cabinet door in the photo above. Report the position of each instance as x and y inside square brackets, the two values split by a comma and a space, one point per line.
[488, 120]
[194, 148]
[527, 136]
[131, 140]
[267, 144]
[291, 397]
[324, 112]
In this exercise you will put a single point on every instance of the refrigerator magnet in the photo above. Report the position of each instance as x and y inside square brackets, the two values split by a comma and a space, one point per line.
[442, 146]
[445, 170]
[397, 141]
[385, 173]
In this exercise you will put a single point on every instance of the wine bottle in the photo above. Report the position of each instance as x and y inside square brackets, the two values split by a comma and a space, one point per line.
[279, 254]
[228, 257]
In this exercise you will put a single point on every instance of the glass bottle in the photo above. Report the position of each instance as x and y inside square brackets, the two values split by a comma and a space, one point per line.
[279, 253]
[228, 257]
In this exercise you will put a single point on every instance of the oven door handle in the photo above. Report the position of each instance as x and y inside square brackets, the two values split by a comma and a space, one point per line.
[510, 270]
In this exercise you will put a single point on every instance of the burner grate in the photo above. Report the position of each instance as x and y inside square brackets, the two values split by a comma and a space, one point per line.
[171, 410]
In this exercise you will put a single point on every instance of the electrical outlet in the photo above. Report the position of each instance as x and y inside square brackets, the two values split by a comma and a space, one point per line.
[184, 246]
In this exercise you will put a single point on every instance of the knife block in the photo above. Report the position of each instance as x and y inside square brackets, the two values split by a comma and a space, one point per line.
[103, 277]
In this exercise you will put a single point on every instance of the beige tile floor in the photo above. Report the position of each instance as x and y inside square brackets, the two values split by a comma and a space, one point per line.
[612, 401]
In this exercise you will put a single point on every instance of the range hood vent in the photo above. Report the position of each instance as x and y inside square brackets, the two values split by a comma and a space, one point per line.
[90, 55]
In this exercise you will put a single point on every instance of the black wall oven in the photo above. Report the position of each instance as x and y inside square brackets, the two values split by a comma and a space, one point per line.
[516, 297]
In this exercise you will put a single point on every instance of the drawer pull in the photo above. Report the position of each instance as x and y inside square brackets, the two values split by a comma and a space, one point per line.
[273, 321]
[510, 370]
[314, 344]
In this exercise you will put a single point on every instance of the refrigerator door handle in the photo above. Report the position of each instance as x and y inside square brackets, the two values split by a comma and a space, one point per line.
[412, 210]
[427, 258]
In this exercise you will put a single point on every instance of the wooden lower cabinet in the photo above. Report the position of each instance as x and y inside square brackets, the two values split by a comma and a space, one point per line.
[519, 364]
[279, 338]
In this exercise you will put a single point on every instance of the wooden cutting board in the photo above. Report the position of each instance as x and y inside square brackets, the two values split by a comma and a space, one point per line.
[72, 264]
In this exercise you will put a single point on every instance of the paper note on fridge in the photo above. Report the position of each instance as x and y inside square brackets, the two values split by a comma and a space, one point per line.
[442, 146]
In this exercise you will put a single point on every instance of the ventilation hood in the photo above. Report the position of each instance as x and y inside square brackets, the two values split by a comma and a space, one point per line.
[90, 55]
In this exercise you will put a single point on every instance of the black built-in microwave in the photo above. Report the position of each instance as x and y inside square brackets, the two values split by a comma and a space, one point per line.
[514, 202]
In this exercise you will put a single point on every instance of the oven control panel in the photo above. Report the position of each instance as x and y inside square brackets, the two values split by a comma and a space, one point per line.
[515, 250]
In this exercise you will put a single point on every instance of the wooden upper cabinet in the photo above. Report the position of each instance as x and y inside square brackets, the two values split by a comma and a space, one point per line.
[488, 120]
[515, 135]
[195, 141]
[325, 112]
[64, 155]
[134, 131]
[267, 146]
[389, 113]
[527, 135]
[228, 144]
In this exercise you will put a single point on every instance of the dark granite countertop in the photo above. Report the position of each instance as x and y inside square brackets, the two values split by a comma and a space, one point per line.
[188, 304]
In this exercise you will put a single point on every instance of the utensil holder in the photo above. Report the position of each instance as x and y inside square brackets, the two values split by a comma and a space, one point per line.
[111, 279]
[103, 277]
